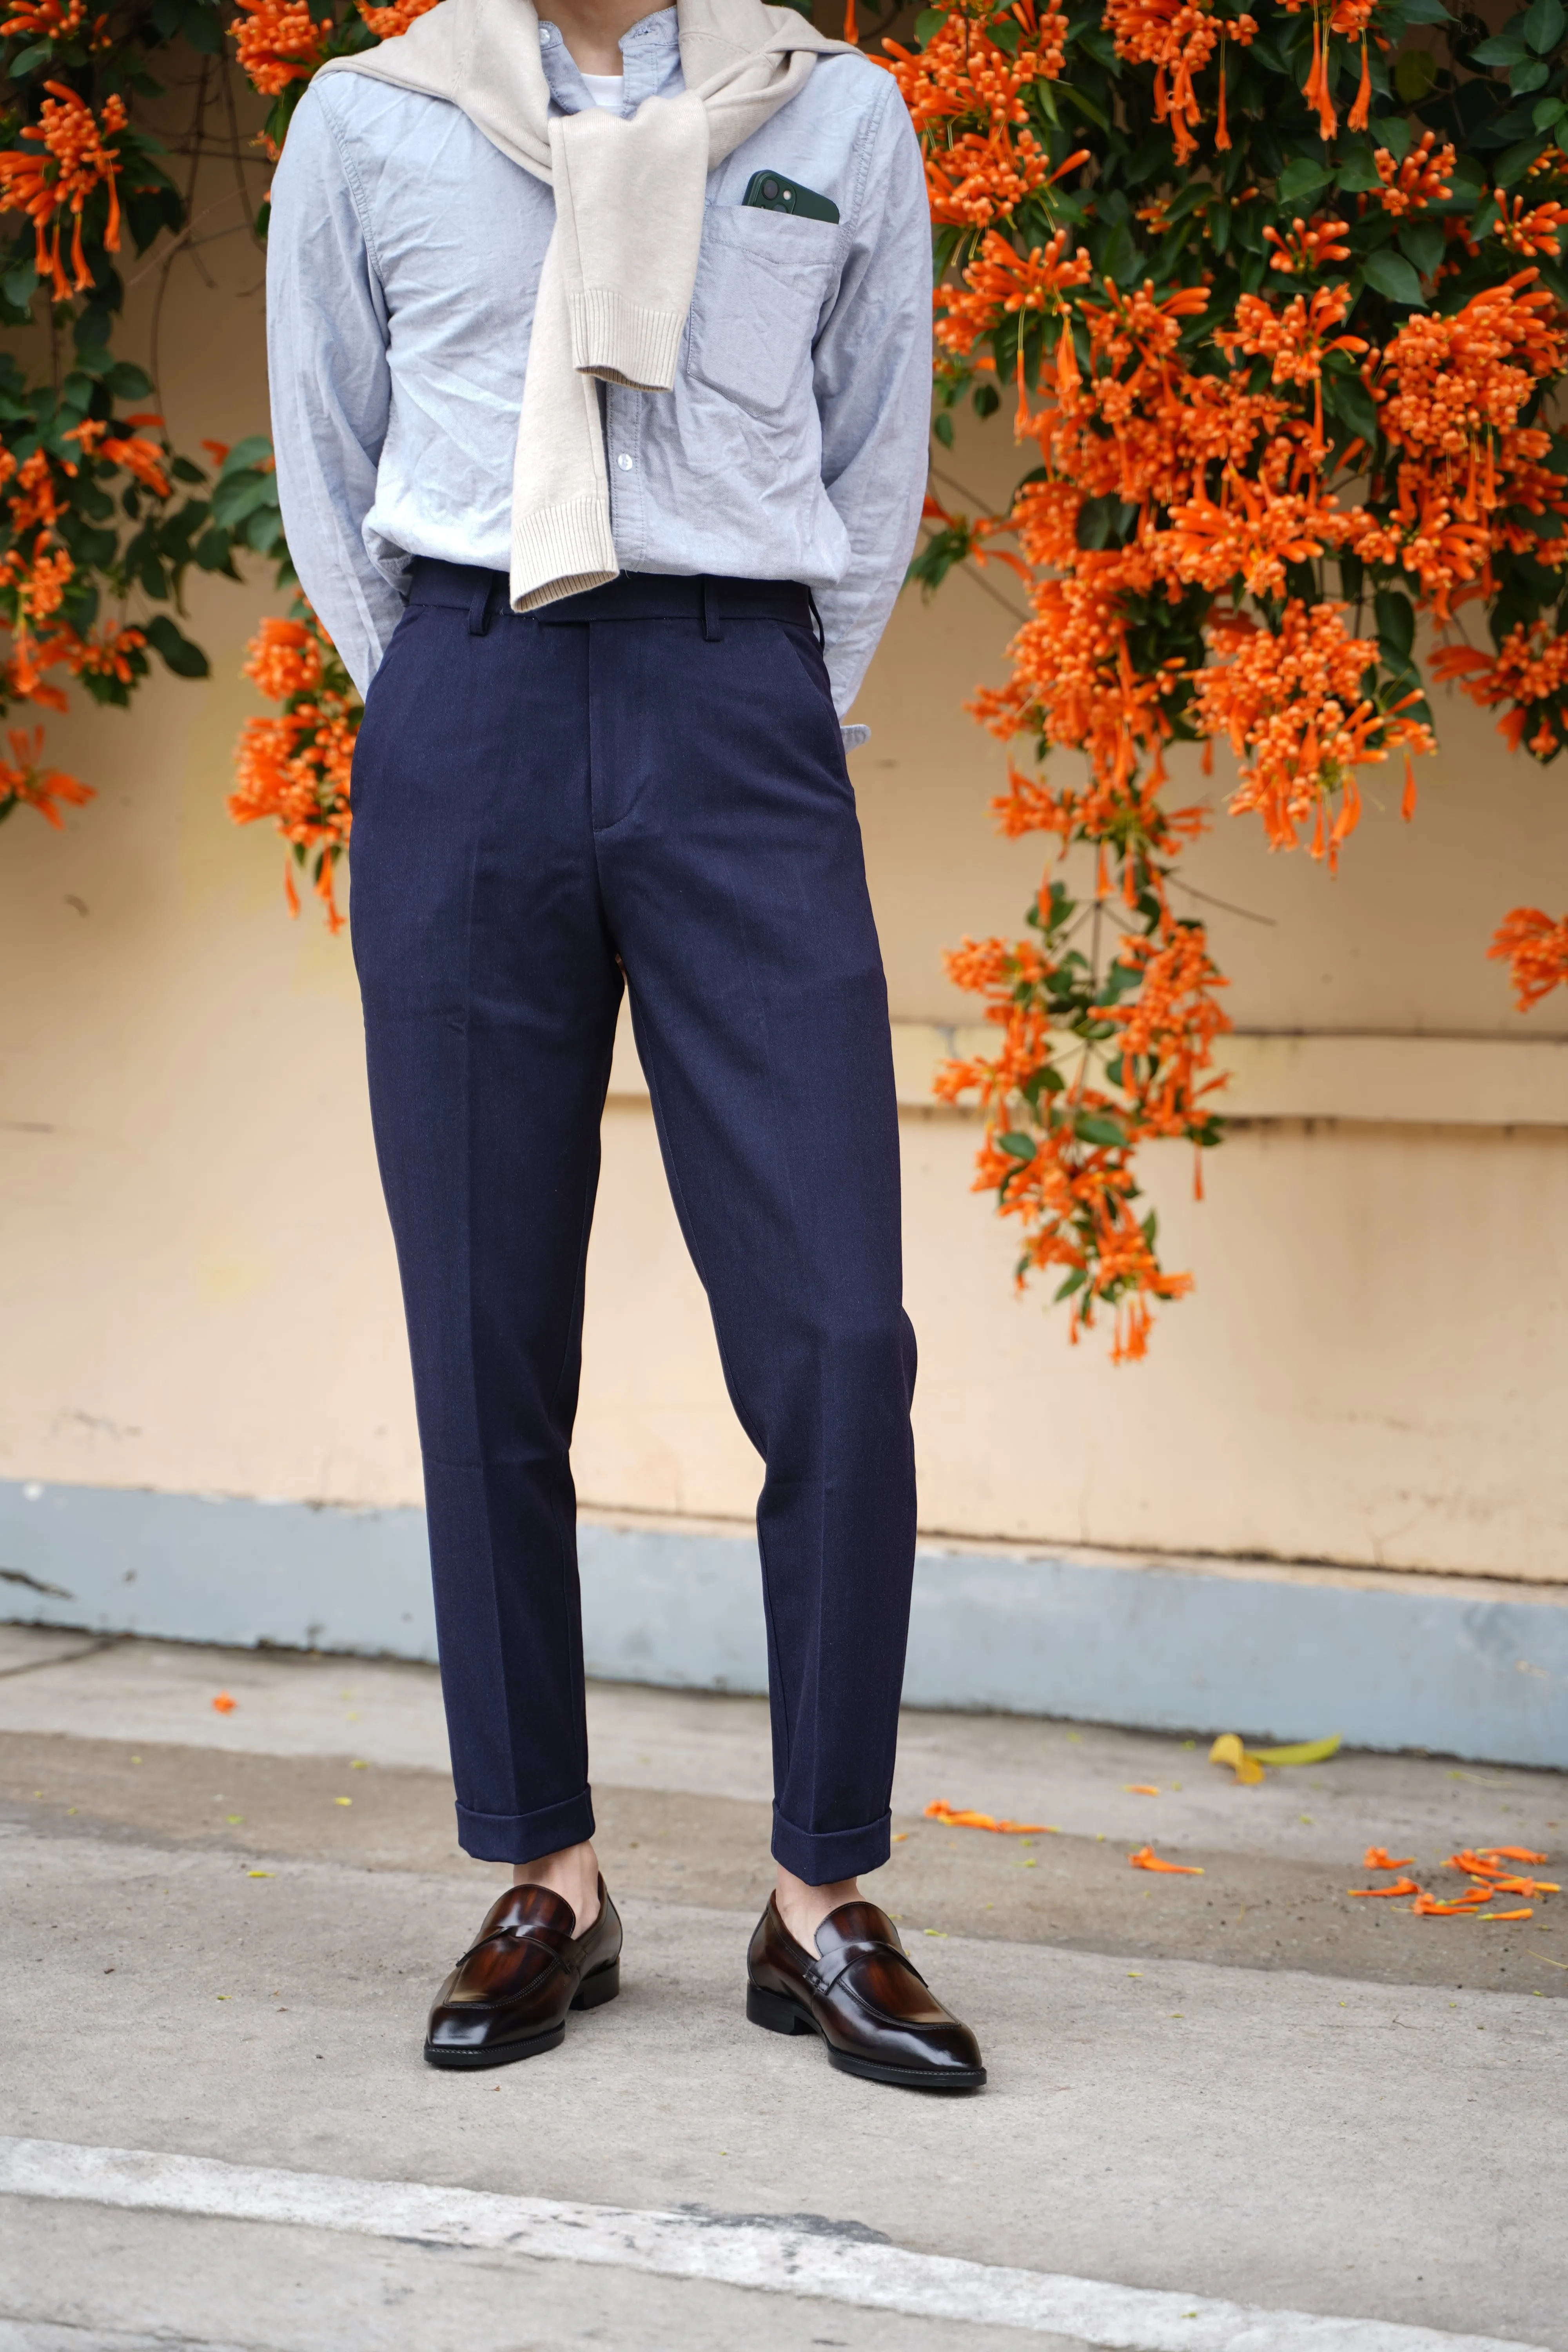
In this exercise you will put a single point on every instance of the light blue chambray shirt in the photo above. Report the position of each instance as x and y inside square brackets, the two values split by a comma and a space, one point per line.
[403, 261]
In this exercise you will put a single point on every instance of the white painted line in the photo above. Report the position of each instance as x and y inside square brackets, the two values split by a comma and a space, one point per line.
[793, 2255]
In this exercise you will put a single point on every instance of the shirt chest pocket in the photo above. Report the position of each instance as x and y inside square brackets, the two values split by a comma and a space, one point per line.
[762, 282]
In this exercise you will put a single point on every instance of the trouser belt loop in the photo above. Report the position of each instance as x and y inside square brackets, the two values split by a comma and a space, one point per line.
[479, 610]
[712, 627]
[817, 624]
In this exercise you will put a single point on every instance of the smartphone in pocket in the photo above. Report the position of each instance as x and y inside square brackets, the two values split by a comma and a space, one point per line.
[769, 191]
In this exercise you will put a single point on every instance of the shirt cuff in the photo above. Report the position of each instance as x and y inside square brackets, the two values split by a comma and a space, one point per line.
[853, 737]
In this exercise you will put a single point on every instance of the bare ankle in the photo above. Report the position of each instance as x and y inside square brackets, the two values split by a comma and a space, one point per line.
[804, 1907]
[572, 1872]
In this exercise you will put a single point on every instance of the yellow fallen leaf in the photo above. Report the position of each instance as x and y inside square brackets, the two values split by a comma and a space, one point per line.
[1248, 1763]
[342, 1801]
[1308, 1752]
[1229, 1749]
[258, 1874]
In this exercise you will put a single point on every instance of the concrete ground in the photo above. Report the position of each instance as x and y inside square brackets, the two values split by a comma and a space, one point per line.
[1242, 2088]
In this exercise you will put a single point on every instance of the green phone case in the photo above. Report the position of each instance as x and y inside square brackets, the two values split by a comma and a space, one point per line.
[769, 191]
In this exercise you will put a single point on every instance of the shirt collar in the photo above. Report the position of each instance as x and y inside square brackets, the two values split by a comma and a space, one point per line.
[650, 64]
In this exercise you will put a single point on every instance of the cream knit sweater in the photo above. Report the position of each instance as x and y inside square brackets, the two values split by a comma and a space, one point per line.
[622, 263]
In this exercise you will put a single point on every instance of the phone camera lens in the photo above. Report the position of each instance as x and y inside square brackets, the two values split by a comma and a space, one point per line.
[770, 189]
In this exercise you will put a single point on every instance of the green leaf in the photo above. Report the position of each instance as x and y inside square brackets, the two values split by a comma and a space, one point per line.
[1105, 522]
[1352, 404]
[928, 23]
[1359, 176]
[184, 659]
[1549, 111]
[1423, 243]
[1414, 71]
[20, 284]
[28, 61]
[1074, 1281]
[1120, 260]
[1310, 1752]
[1392, 274]
[246, 454]
[1020, 1145]
[237, 496]
[127, 383]
[1516, 161]
[941, 426]
[1098, 1128]
[1527, 76]
[1543, 24]
[1502, 49]
[202, 29]
[1424, 12]
[1301, 179]
[1396, 626]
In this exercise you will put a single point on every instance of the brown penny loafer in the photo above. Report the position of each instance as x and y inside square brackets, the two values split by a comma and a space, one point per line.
[866, 1997]
[509, 1995]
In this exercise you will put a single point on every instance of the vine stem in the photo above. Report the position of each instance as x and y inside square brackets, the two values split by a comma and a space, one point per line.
[181, 242]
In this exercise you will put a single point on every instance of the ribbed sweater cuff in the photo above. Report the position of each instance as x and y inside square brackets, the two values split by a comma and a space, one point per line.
[623, 342]
[560, 550]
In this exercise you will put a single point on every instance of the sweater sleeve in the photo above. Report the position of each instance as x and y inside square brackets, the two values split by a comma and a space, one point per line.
[873, 395]
[330, 388]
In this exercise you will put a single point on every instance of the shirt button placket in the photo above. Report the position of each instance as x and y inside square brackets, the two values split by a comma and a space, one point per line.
[623, 442]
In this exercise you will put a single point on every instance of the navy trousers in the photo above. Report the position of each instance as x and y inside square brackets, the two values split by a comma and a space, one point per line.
[647, 781]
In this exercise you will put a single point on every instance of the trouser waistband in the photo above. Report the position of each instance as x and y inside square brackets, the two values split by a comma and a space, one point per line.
[633, 596]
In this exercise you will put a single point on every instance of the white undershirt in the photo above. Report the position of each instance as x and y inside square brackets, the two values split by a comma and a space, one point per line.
[605, 89]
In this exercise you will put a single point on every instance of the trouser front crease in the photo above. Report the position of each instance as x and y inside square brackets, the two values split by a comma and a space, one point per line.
[541, 802]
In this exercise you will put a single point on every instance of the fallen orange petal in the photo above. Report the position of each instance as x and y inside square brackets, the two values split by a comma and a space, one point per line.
[1147, 1859]
[957, 1818]
[224, 1704]
[1526, 1914]
[1473, 1864]
[1426, 1907]
[1400, 1886]
[1512, 1853]
[1142, 1788]
[1378, 1857]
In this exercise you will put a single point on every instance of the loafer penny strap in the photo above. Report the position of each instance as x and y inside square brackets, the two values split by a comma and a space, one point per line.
[538, 1937]
[822, 1975]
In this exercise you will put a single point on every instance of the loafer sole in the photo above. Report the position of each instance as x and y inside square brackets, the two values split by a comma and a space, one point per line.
[592, 1993]
[776, 2013]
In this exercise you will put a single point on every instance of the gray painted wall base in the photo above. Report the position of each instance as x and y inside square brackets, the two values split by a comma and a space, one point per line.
[1164, 1646]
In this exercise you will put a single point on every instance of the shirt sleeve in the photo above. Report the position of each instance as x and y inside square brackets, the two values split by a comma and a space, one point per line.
[330, 388]
[873, 395]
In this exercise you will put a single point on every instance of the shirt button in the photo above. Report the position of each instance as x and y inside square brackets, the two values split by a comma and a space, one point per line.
[624, 461]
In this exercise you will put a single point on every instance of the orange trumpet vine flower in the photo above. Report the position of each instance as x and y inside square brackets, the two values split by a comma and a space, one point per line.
[960, 1818]
[1147, 1859]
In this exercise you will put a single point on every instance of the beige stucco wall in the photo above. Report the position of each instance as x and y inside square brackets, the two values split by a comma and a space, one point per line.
[196, 1284]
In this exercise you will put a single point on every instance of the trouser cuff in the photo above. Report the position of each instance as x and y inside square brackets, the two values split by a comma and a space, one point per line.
[519, 1837]
[821, 1856]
